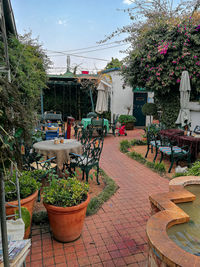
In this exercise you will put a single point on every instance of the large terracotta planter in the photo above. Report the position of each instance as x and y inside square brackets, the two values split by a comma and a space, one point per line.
[27, 203]
[67, 223]
[129, 125]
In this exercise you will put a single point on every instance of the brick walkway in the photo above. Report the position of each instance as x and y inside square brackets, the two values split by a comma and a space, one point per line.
[115, 236]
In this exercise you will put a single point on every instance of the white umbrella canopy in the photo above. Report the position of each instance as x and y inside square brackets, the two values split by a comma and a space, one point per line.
[185, 88]
[102, 97]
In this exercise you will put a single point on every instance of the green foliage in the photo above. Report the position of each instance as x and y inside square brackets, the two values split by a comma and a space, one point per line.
[170, 106]
[19, 98]
[153, 128]
[124, 145]
[160, 167]
[165, 51]
[114, 63]
[149, 109]
[109, 190]
[38, 136]
[27, 183]
[137, 156]
[65, 193]
[38, 175]
[178, 174]
[195, 169]
[26, 217]
[123, 119]
[137, 142]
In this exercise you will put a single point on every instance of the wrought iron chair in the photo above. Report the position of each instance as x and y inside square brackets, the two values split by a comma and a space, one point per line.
[150, 141]
[176, 154]
[98, 126]
[89, 158]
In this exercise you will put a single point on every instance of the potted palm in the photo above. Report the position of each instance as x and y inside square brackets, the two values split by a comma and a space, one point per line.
[128, 121]
[66, 203]
[29, 186]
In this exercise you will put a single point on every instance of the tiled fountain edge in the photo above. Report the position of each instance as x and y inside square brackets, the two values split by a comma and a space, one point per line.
[163, 251]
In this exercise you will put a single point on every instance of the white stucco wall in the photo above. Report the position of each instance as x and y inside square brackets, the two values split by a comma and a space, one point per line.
[195, 114]
[121, 98]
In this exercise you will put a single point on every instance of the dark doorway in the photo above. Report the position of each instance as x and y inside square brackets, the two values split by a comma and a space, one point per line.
[139, 100]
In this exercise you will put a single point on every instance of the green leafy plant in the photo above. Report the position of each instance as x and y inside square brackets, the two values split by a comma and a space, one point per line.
[26, 217]
[124, 145]
[109, 190]
[160, 167]
[138, 142]
[27, 183]
[195, 169]
[65, 193]
[149, 109]
[123, 119]
[137, 156]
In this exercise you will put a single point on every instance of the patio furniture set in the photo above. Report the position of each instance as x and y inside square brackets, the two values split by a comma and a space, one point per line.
[174, 144]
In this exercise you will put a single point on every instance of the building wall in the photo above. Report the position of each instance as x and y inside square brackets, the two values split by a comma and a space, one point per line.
[194, 113]
[121, 99]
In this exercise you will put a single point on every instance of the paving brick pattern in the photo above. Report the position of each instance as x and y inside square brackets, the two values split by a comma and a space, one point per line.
[115, 236]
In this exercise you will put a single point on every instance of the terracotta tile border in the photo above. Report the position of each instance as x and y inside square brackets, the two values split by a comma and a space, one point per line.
[166, 214]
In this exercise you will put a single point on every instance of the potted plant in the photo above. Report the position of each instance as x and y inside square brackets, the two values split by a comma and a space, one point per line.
[149, 109]
[29, 186]
[128, 121]
[66, 203]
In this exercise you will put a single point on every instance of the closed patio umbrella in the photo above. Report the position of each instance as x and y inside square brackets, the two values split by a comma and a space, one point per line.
[102, 97]
[184, 113]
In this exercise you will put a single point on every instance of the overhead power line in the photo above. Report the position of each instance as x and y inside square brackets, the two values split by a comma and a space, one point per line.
[80, 56]
[105, 48]
[78, 49]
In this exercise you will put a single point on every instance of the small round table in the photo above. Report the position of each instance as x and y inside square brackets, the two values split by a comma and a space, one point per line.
[60, 151]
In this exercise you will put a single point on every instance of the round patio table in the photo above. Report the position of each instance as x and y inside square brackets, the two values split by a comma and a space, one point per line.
[60, 151]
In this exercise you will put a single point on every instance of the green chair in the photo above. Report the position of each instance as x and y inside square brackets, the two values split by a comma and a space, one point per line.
[98, 126]
[150, 141]
[176, 154]
[89, 158]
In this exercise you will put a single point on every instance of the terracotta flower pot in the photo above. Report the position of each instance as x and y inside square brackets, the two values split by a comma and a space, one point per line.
[67, 223]
[129, 125]
[28, 203]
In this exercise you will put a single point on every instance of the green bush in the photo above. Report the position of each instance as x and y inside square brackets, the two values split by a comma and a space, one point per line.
[137, 142]
[65, 193]
[160, 167]
[195, 169]
[27, 183]
[149, 109]
[178, 174]
[123, 119]
[124, 145]
[137, 156]
[109, 190]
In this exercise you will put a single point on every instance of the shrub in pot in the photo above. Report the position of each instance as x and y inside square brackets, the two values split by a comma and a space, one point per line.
[128, 121]
[29, 186]
[66, 203]
[150, 109]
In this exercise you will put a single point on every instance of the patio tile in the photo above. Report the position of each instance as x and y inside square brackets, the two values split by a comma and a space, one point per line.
[115, 236]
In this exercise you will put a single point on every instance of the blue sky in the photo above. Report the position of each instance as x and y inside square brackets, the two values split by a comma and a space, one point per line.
[73, 24]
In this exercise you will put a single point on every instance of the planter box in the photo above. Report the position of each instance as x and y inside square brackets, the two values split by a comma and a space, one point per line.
[129, 125]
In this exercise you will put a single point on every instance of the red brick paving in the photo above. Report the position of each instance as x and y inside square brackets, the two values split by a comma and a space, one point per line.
[115, 236]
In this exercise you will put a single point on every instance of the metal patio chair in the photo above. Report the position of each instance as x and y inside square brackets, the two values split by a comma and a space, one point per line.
[89, 158]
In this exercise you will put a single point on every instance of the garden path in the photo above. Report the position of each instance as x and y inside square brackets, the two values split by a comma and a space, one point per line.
[115, 236]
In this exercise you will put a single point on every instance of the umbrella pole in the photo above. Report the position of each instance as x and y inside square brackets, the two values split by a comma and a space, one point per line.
[92, 100]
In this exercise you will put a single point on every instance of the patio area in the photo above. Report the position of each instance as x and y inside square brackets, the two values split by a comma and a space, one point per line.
[115, 236]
